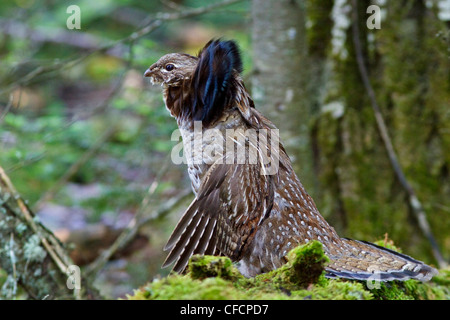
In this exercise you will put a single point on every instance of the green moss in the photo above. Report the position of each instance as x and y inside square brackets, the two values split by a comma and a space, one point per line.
[413, 290]
[320, 24]
[339, 290]
[392, 291]
[305, 266]
[202, 267]
[436, 289]
[302, 277]
[388, 243]
[443, 278]
[184, 287]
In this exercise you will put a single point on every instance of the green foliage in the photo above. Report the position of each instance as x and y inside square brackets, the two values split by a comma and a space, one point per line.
[55, 121]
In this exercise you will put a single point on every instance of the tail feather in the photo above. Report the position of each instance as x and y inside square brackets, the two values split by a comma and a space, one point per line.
[365, 260]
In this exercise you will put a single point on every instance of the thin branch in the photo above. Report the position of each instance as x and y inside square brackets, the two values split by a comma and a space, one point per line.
[414, 202]
[166, 207]
[8, 106]
[29, 218]
[172, 5]
[78, 39]
[133, 226]
[101, 107]
[141, 218]
[131, 230]
[57, 66]
[154, 23]
[75, 167]
[16, 205]
[149, 26]
[13, 206]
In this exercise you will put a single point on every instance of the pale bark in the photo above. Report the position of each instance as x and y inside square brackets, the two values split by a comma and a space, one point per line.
[279, 76]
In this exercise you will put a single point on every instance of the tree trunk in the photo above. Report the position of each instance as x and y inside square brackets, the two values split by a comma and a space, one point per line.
[312, 90]
[279, 76]
[408, 68]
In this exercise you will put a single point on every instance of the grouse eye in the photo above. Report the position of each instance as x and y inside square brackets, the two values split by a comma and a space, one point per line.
[170, 67]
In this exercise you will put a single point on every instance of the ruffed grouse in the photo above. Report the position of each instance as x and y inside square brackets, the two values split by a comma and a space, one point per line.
[249, 204]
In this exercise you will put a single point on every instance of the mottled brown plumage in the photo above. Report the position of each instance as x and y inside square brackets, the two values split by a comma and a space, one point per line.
[251, 208]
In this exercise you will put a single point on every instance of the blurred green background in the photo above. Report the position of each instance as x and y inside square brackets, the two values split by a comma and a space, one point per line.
[83, 137]
[100, 108]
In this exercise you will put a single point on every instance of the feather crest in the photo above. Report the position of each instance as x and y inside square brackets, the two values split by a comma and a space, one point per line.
[212, 83]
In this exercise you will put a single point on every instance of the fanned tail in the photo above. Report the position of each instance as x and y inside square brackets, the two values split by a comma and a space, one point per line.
[367, 261]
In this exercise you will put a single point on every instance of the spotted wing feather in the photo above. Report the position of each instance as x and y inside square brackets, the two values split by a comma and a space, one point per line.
[224, 216]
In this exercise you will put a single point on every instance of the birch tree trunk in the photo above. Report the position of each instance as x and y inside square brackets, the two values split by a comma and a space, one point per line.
[280, 74]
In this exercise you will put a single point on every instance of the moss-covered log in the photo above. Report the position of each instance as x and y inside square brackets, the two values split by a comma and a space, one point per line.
[33, 263]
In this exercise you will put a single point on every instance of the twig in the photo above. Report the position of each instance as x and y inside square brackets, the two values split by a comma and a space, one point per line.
[51, 245]
[167, 207]
[13, 206]
[414, 202]
[57, 66]
[8, 106]
[12, 256]
[165, 17]
[29, 218]
[93, 150]
[78, 39]
[172, 5]
[135, 224]
[25, 162]
[75, 167]
[150, 26]
[101, 107]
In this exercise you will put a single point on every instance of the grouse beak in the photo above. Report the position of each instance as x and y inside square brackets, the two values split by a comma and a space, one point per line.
[147, 73]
